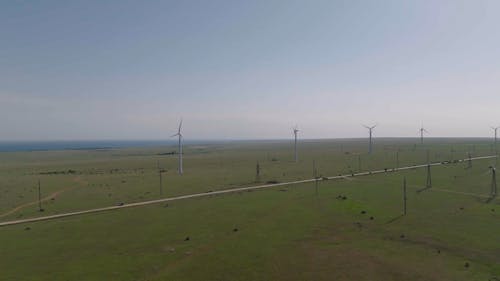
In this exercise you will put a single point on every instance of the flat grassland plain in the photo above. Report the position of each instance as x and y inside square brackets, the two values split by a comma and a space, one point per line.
[350, 229]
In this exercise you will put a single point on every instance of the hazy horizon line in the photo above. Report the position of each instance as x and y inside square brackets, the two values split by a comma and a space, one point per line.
[236, 139]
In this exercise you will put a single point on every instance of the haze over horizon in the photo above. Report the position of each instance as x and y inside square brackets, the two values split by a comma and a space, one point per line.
[89, 70]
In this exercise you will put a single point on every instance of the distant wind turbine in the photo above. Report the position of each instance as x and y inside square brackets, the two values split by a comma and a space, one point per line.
[179, 134]
[370, 129]
[496, 130]
[295, 132]
[422, 131]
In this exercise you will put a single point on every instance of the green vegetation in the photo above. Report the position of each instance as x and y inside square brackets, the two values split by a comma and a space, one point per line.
[352, 230]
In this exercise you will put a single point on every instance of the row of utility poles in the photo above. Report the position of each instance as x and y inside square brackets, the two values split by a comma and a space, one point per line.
[428, 185]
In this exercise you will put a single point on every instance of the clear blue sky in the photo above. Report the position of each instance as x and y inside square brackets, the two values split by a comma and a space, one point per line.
[247, 69]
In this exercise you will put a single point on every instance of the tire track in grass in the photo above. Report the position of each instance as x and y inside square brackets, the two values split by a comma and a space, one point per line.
[44, 199]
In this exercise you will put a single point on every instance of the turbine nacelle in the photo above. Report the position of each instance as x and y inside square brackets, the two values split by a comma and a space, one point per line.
[370, 128]
[178, 131]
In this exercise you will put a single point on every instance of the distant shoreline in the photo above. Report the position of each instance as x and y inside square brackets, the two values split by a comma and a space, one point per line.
[34, 146]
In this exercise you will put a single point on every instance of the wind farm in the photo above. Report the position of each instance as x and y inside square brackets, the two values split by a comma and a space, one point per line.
[220, 179]
[249, 140]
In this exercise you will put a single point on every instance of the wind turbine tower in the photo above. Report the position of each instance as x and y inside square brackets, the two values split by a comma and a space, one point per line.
[370, 130]
[179, 134]
[422, 131]
[295, 132]
[496, 131]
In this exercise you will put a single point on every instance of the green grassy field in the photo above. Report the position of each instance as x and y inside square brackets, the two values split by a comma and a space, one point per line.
[282, 233]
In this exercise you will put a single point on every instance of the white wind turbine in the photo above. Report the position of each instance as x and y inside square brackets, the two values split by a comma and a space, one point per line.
[295, 132]
[370, 129]
[180, 146]
[422, 131]
[496, 131]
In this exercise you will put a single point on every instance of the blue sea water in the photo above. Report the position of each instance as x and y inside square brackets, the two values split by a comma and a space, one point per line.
[10, 146]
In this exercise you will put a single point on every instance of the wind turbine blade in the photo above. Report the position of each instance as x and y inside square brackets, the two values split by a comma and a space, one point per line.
[180, 127]
[174, 135]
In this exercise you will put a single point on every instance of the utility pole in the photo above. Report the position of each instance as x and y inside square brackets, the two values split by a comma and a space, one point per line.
[429, 180]
[404, 196]
[397, 159]
[493, 182]
[315, 174]
[316, 186]
[39, 198]
[161, 181]
[359, 162]
[469, 161]
[257, 172]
